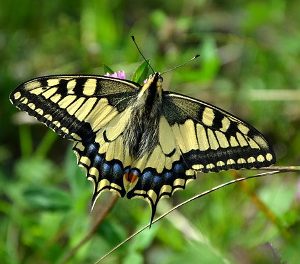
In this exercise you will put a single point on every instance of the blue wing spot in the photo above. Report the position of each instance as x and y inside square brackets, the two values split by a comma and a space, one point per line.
[157, 183]
[147, 174]
[179, 169]
[168, 177]
[92, 150]
[117, 171]
[145, 181]
[97, 161]
[105, 169]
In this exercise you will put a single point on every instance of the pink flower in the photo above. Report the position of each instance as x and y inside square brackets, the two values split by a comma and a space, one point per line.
[118, 74]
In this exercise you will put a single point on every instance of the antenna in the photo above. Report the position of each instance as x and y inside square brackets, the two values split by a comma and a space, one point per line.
[133, 39]
[180, 65]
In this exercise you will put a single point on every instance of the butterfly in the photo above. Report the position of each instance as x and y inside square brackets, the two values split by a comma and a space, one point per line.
[139, 140]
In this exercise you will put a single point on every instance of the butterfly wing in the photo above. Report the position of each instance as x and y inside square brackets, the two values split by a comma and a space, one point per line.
[70, 104]
[90, 110]
[210, 139]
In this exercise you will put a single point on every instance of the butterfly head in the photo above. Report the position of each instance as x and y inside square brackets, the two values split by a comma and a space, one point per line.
[155, 77]
[152, 85]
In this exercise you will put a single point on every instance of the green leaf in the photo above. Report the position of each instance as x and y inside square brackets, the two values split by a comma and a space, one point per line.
[35, 169]
[46, 198]
[141, 73]
[107, 69]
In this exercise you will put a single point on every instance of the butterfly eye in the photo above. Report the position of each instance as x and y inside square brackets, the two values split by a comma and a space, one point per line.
[160, 78]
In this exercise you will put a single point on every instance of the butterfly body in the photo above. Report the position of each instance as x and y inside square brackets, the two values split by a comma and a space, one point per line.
[141, 134]
[141, 141]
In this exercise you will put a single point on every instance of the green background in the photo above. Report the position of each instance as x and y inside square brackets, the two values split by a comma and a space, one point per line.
[249, 65]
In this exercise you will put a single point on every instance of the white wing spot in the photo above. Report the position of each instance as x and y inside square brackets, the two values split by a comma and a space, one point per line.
[210, 166]
[48, 93]
[241, 139]
[222, 139]
[197, 167]
[75, 136]
[179, 182]
[65, 130]
[261, 158]
[261, 142]
[225, 124]
[79, 146]
[220, 163]
[243, 129]
[233, 142]
[251, 160]
[269, 157]
[24, 100]
[94, 171]
[71, 85]
[85, 160]
[103, 183]
[56, 123]
[241, 161]
[252, 143]
[53, 82]
[90, 87]
[190, 172]
[55, 98]
[230, 162]
[32, 85]
[17, 95]
[212, 139]
[31, 106]
[40, 111]
[202, 138]
[37, 90]
[188, 133]
[208, 116]
[48, 117]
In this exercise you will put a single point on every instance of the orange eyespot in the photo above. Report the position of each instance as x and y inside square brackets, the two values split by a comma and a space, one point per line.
[130, 177]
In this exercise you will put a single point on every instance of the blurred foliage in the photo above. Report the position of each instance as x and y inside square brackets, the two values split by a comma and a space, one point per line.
[248, 65]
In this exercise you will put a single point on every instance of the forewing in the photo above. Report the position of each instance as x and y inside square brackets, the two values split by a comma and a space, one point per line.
[74, 106]
[210, 139]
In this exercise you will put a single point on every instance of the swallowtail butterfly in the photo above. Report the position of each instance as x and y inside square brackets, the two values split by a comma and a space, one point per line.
[141, 141]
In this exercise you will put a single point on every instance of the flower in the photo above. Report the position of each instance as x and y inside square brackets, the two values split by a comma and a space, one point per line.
[118, 74]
